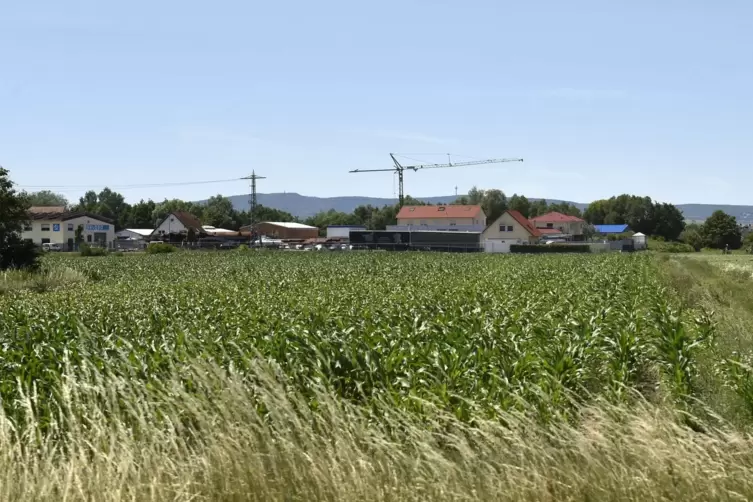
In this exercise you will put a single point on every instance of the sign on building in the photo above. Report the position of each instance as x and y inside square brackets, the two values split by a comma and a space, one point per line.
[97, 228]
[56, 227]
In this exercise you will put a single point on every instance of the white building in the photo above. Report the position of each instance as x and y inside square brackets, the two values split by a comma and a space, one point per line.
[177, 223]
[342, 231]
[55, 225]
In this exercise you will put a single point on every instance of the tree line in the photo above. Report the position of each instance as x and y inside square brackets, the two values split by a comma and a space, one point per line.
[641, 214]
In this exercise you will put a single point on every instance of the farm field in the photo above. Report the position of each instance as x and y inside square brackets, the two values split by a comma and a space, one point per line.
[274, 376]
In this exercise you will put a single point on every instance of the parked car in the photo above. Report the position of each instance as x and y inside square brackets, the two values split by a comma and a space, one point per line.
[52, 246]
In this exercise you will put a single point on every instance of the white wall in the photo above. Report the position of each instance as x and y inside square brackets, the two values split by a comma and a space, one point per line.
[341, 232]
[61, 232]
[170, 225]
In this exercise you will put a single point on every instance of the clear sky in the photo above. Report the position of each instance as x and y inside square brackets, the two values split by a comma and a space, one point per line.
[599, 97]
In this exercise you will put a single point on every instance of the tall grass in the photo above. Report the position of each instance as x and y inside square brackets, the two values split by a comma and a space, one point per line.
[252, 438]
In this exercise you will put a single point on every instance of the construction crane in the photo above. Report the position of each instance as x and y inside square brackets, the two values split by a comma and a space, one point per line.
[400, 169]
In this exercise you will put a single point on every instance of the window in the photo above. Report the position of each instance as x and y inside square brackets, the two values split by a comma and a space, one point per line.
[509, 228]
[88, 238]
[45, 227]
[502, 228]
[27, 227]
[550, 225]
[45, 241]
[70, 227]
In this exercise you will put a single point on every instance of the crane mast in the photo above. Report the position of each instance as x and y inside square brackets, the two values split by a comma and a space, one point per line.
[400, 169]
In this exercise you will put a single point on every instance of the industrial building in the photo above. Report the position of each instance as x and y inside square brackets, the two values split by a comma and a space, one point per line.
[420, 240]
[56, 225]
[284, 230]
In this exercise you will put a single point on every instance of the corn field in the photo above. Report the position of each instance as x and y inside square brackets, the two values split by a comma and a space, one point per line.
[476, 336]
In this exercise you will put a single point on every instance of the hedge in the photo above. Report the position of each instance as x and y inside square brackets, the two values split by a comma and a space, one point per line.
[551, 248]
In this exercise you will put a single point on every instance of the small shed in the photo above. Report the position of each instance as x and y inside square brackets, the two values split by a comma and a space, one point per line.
[639, 240]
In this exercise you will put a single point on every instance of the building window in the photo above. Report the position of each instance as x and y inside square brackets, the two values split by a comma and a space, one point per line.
[45, 241]
[45, 227]
[550, 225]
[27, 227]
[502, 228]
[70, 227]
[509, 228]
[88, 238]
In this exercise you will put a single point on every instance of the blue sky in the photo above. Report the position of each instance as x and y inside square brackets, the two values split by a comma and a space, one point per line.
[599, 97]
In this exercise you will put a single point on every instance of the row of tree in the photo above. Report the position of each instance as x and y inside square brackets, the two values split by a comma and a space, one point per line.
[641, 214]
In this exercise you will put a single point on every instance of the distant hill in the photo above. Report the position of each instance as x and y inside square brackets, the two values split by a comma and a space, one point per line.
[304, 206]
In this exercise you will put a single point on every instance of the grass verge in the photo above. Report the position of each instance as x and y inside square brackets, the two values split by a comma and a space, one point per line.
[235, 438]
[722, 285]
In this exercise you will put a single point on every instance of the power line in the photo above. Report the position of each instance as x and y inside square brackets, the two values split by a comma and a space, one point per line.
[126, 187]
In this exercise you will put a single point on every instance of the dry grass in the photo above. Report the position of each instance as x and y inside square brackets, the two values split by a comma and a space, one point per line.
[218, 443]
[13, 281]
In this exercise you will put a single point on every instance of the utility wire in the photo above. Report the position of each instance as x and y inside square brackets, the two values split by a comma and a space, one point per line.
[125, 187]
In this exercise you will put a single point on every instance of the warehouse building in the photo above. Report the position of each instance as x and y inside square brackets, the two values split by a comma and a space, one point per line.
[284, 230]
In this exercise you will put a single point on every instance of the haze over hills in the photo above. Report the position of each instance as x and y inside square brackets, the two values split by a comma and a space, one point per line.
[303, 206]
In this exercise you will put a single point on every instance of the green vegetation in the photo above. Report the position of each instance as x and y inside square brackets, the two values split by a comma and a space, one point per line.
[15, 253]
[88, 250]
[160, 248]
[377, 376]
[641, 214]
[550, 248]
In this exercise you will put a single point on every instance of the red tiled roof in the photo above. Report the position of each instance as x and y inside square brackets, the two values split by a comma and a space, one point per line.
[436, 212]
[555, 217]
[524, 222]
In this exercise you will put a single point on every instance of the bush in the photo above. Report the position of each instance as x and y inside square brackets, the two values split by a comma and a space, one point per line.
[673, 247]
[87, 250]
[19, 254]
[160, 248]
[551, 248]
[243, 247]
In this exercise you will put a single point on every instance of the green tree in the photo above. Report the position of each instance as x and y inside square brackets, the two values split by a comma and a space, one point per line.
[140, 215]
[218, 212]
[106, 203]
[748, 242]
[166, 207]
[14, 213]
[79, 235]
[565, 208]
[47, 198]
[521, 204]
[721, 230]
[693, 238]
[538, 208]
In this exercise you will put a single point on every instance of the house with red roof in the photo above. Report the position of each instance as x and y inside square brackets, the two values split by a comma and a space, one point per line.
[510, 228]
[468, 218]
[561, 225]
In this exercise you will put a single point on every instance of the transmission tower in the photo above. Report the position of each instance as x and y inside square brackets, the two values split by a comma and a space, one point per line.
[252, 201]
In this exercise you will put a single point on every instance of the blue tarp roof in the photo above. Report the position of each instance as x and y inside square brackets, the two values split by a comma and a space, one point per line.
[610, 229]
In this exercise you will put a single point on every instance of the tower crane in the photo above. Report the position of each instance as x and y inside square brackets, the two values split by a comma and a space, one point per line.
[400, 169]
